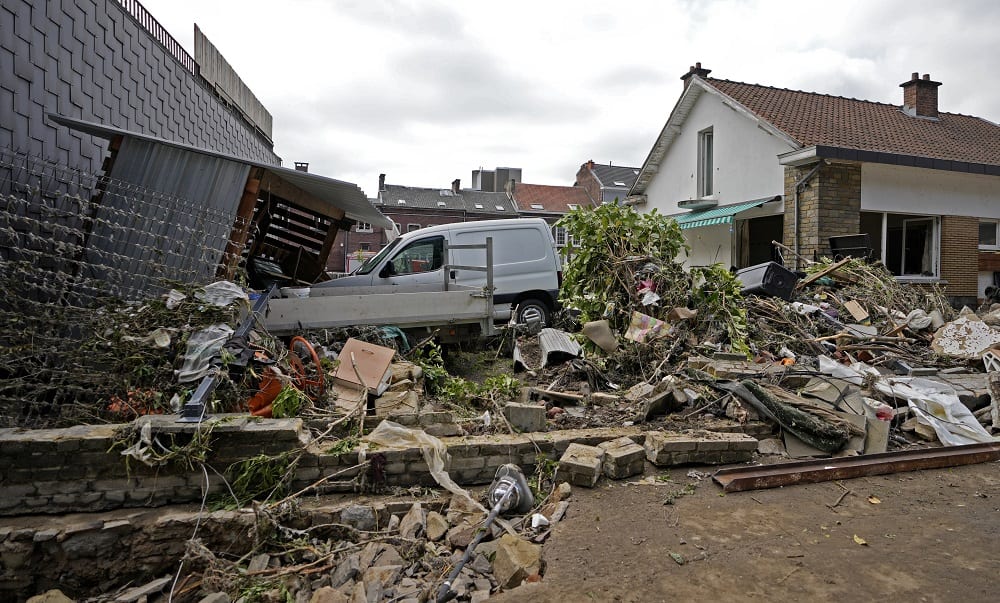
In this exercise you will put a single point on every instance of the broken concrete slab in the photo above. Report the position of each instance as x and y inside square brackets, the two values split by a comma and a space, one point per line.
[525, 417]
[622, 458]
[581, 464]
[965, 337]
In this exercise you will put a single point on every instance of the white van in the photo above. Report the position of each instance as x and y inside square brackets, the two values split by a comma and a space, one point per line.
[526, 268]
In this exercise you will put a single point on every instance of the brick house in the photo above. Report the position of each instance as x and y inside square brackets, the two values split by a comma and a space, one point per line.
[551, 203]
[754, 163]
[412, 208]
[606, 183]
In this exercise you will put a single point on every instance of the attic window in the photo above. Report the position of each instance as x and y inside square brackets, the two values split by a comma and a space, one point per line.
[619, 183]
[442, 204]
[572, 206]
[446, 192]
[636, 172]
[499, 207]
[537, 206]
[401, 202]
[479, 205]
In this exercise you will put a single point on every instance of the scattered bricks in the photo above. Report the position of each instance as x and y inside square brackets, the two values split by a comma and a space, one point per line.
[622, 458]
[660, 446]
[307, 474]
[435, 417]
[702, 447]
[444, 430]
[459, 464]
[581, 465]
[525, 417]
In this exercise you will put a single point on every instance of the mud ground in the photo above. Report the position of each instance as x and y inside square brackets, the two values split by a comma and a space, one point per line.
[930, 536]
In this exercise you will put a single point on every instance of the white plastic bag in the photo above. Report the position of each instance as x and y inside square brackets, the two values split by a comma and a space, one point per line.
[394, 435]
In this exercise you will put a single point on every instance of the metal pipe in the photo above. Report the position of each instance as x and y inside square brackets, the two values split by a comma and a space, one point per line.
[445, 593]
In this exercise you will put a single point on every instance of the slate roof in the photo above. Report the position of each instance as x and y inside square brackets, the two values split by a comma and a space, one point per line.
[554, 199]
[445, 199]
[820, 119]
[608, 175]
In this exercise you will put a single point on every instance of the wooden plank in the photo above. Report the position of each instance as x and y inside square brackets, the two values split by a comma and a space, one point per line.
[818, 275]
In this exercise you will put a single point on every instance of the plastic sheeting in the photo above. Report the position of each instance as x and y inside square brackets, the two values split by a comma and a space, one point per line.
[933, 403]
[222, 293]
[394, 435]
[201, 348]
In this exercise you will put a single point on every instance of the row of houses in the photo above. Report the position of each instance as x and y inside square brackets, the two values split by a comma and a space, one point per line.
[494, 194]
[741, 166]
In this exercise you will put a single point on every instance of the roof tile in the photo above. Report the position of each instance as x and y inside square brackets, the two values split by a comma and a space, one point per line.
[820, 119]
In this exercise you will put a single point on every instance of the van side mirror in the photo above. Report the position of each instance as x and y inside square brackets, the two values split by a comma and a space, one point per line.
[388, 270]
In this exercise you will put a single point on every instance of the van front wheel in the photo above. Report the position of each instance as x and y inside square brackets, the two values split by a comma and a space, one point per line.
[530, 310]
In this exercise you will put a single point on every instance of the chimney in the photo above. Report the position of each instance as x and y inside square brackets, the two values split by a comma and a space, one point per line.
[381, 182]
[301, 166]
[694, 70]
[456, 185]
[920, 96]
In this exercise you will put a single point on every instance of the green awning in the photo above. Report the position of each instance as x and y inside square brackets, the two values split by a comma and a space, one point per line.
[718, 215]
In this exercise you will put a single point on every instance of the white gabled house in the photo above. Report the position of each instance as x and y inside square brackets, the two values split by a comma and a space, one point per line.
[740, 165]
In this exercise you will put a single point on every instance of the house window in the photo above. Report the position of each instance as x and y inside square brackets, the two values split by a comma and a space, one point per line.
[573, 206]
[364, 227]
[706, 163]
[537, 206]
[908, 245]
[412, 227]
[561, 237]
[988, 234]
[366, 246]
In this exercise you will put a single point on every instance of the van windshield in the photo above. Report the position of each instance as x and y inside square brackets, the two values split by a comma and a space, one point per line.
[376, 259]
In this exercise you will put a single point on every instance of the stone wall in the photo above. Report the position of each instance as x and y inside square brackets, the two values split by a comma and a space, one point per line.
[829, 205]
[79, 469]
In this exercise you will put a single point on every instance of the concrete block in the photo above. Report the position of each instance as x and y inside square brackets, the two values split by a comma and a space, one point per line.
[525, 417]
[581, 465]
[622, 458]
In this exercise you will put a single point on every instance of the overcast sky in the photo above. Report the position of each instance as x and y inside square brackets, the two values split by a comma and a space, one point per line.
[426, 91]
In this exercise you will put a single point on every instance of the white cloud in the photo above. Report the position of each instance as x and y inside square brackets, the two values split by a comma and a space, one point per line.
[427, 91]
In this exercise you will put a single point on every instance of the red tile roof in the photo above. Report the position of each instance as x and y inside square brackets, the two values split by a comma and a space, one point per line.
[820, 119]
[551, 198]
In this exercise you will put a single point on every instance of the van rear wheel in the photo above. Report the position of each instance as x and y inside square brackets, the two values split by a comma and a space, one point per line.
[530, 310]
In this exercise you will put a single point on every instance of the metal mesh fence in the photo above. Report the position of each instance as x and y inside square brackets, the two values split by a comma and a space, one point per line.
[84, 260]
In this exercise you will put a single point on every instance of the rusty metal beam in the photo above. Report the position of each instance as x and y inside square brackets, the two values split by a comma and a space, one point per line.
[823, 470]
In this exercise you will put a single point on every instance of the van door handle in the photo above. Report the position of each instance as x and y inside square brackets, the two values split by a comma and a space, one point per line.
[453, 274]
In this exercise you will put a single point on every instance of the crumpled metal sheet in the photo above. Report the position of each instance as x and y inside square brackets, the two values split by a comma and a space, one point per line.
[555, 346]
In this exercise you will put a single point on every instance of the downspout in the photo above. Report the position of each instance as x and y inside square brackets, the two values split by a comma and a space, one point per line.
[801, 184]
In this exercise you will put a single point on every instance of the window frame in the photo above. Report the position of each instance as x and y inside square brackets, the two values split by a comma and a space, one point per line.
[935, 236]
[996, 235]
[363, 227]
[412, 226]
[706, 162]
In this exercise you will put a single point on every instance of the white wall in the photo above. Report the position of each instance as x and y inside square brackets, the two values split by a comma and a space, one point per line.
[709, 245]
[912, 190]
[746, 164]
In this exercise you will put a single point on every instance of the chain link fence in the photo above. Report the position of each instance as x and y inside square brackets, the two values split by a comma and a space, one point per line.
[84, 261]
